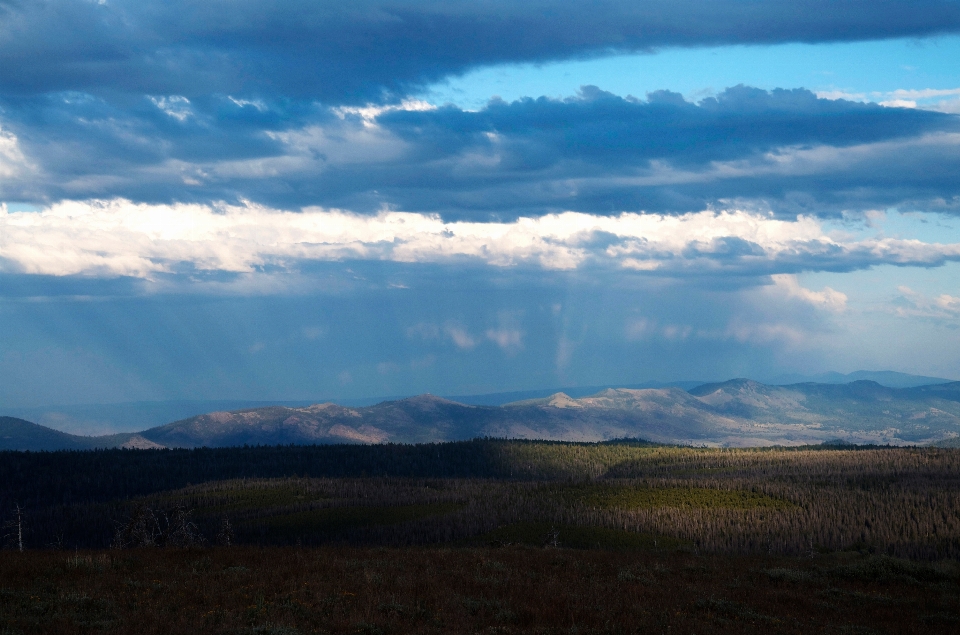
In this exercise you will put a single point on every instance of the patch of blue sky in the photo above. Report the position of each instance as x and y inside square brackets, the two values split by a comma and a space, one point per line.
[878, 288]
[929, 227]
[864, 71]
[14, 207]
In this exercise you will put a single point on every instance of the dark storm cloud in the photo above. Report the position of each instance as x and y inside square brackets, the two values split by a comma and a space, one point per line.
[784, 149]
[348, 51]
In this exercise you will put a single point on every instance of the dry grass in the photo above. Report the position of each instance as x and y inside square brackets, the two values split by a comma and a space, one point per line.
[468, 590]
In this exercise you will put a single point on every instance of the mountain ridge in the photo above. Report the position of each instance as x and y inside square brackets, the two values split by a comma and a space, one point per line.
[737, 412]
[128, 417]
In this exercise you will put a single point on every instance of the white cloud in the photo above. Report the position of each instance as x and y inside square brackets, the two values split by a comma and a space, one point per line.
[174, 106]
[12, 161]
[840, 94]
[926, 98]
[509, 339]
[255, 103]
[914, 304]
[119, 238]
[828, 299]
[899, 103]
[460, 337]
[368, 114]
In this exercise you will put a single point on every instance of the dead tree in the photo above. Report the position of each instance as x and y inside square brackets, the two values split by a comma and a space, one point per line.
[181, 531]
[225, 537]
[13, 529]
[141, 530]
[553, 538]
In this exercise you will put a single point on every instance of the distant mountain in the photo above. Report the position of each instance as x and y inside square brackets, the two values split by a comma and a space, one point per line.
[116, 418]
[417, 419]
[887, 378]
[860, 411]
[501, 398]
[739, 412]
[106, 419]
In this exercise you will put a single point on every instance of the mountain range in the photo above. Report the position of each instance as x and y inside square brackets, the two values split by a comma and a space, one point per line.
[739, 412]
[108, 419]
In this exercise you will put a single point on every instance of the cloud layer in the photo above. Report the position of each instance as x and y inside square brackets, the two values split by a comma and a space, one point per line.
[118, 238]
[785, 150]
[346, 52]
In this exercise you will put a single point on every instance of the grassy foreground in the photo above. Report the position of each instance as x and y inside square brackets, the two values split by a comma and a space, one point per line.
[515, 589]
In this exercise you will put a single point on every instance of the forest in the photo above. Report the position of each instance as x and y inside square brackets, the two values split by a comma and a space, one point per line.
[854, 519]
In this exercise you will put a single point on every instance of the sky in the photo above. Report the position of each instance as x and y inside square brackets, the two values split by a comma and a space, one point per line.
[323, 200]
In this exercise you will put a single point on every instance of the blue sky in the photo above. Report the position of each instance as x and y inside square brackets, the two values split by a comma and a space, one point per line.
[294, 200]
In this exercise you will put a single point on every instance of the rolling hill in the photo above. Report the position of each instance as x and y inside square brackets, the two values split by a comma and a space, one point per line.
[18, 434]
[738, 412]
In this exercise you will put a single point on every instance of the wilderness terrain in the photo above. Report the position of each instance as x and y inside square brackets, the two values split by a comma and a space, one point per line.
[489, 536]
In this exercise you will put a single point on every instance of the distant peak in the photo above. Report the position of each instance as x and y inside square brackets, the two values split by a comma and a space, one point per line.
[556, 400]
[731, 384]
[562, 400]
[320, 407]
[426, 398]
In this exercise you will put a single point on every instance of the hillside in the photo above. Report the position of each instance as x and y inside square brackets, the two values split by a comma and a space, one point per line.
[18, 434]
[739, 412]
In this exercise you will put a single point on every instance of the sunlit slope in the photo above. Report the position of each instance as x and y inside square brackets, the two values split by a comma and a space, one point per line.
[669, 415]
[418, 419]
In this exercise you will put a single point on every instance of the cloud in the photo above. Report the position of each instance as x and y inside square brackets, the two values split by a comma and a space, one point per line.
[926, 98]
[348, 53]
[177, 106]
[828, 299]
[784, 150]
[460, 337]
[153, 242]
[12, 162]
[943, 308]
[509, 339]
[455, 333]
